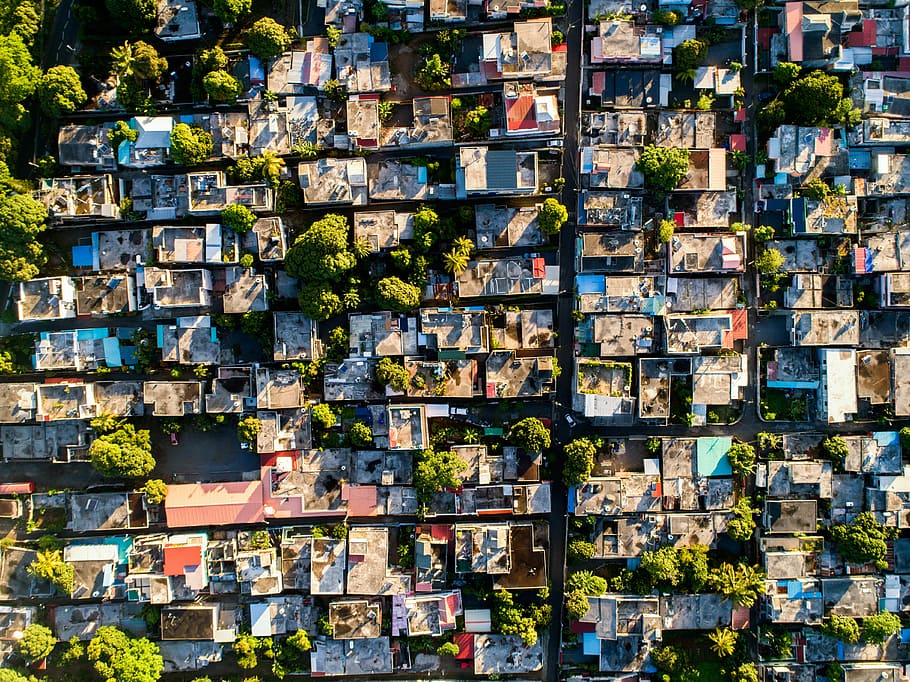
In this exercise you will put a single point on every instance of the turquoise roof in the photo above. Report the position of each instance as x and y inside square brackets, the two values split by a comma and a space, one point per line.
[711, 456]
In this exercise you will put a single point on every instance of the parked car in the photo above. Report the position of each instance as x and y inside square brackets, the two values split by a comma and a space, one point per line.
[174, 440]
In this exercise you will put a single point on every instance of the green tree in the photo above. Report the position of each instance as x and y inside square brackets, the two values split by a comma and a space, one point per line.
[689, 54]
[455, 262]
[136, 16]
[319, 302]
[300, 640]
[662, 565]
[879, 628]
[744, 672]
[769, 261]
[155, 490]
[36, 643]
[229, 11]
[433, 74]
[18, 79]
[663, 167]
[60, 91]
[22, 18]
[270, 165]
[246, 646]
[863, 540]
[267, 38]
[741, 584]
[579, 461]
[814, 99]
[361, 435]
[391, 373]
[321, 254]
[248, 430]
[816, 189]
[447, 649]
[212, 59]
[124, 453]
[586, 583]
[552, 216]
[478, 122]
[116, 656]
[665, 231]
[579, 551]
[238, 217]
[21, 221]
[322, 416]
[835, 448]
[844, 628]
[786, 72]
[576, 604]
[138, 59]
[120, 133]
[693, 563]
[49, 565]
[190, 145]
[742, 458]
[764, 233]
[396, 294]
[530, 434]
[334, 90]
[435, 471]
[742, 525]
[333, 35]
[723, 641]
[222, 86]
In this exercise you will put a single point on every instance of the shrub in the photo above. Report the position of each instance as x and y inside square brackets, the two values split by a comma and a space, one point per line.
[238, 217]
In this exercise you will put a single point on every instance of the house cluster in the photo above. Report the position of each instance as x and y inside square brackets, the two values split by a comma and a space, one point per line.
[320, 535]
[661, 324]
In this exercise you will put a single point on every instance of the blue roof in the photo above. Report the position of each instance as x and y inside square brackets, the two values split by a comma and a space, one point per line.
[590, 644]
[591, 284]
[379, 52]
[82, 256]
[112, 352]
[711, 456]
[885, 438]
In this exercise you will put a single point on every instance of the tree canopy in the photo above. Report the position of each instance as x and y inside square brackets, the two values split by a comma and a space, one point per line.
[361, 435]
[663, 167]
[238, 217]
[740, 583]
[322, 416]
[392, 373]
[60, 91]
[530, 434]
[508, 618]
[579, 461]
[36, 643]
[689, 54]
[319, 302]
[552, 216]
[229, 11]
[835, 448]
[49, 565]
[662, 565]
[138, 59]
[21, 221]
[248, 430]
[863, 540]
[769, 261]
[117, 657]
[155, 491]
[742, 525]
[844, 628]
[18, 79]
[321, 254]
[816, 98]
[396, 294]
[267, 38]
[124, 453]
[879, 627]
[435, 471]
[190, 145]
[221, 86]
[134, 15]
[742, 458]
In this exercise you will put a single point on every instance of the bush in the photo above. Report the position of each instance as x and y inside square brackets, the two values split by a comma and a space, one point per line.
[579, 551]
[238, 217]
[764, 233]
[124, 453]
[553, 215]
[155, 490]
[222, 86]
[247, 260]
[391, 373]
[742, 458]
[248, 430]
[396, 294]
[36, 643]
[229, 11]
[665, 231]
[769, 261]
[579, 461]
[863, 540]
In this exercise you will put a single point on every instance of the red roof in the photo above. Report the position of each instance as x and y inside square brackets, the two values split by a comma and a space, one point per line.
[465, 642]
[520, 113]
[598, 82]
[737, 142]
[903, 64]
[176, 559]
[578, 627]
[17, 488]
[679, 217]
[214, 504]
[740, 319]
[441, 532]
[739, 115]
[859, 260]
[765, 33]
[361, 499]
[540, 268]
[864, 38]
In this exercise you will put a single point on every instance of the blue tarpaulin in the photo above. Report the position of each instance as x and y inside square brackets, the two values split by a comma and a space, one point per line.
[82, 256]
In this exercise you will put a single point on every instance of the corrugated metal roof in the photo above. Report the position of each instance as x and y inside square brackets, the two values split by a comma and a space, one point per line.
[502, 169]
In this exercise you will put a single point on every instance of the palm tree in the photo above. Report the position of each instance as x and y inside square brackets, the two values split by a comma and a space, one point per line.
[723, 641]
[350, 299]
[306, 149]
[741, 584]
[686, 75]
[463, 245]
[455, 262]
[271, 167]
[361, 248]
[123, 60]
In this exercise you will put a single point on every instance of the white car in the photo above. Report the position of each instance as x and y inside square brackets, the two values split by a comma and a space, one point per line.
[570, 420]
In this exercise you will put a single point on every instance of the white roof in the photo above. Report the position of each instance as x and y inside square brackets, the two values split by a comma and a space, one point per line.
[260, 619]
[154, 132]
[840, 370]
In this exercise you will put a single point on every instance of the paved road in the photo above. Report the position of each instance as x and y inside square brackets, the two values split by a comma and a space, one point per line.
[566, 325]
